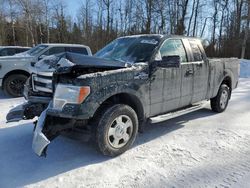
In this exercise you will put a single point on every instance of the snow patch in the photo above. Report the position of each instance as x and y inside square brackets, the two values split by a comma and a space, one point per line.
[244, 68]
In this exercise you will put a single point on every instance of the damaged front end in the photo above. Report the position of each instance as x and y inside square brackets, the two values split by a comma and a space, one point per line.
[75, 78]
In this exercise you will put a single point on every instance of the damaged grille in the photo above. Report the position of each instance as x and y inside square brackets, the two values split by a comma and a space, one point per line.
[42, 82]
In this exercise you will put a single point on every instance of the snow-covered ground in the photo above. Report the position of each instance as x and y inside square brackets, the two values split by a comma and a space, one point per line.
[201, 149]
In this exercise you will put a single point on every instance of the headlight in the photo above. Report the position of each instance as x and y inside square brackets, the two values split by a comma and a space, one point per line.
[68, 94]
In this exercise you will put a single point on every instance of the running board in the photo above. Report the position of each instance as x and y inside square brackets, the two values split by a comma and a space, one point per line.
[175, 114]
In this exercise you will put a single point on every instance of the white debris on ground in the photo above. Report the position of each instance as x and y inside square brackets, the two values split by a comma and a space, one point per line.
[201, 149]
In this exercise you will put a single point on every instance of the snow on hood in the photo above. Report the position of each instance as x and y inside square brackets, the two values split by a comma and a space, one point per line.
[23, 54]
[51, 63]
[48, 63]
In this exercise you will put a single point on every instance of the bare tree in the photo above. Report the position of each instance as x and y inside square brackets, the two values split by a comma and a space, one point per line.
[191, 18]
[243, 51]
[60, 21]
[32, 12]
[149, 10]
[182, 10]
[161, 9]
[224, 5]
[196, 16]
[108, 3]
[239, 6]
[47, 15]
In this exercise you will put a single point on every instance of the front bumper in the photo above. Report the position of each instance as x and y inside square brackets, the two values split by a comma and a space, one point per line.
[47, 129]
[25, 111]
[40, 141]
[17, 113]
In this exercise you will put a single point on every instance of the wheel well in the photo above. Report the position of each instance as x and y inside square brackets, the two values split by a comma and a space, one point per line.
[16, 72]
[227, 80]
[125, 98]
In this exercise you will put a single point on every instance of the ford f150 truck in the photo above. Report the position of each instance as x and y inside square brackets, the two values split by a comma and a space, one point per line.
[130, 81]
[14, 70]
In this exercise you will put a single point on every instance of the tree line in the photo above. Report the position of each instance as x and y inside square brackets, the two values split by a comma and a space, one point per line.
[225, 23]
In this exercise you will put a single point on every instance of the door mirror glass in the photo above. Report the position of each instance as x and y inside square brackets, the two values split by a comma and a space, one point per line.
[170, 61]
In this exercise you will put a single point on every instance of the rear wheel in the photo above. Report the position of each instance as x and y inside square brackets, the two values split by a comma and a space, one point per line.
[220, 102]
[13, 85]
[116, 129]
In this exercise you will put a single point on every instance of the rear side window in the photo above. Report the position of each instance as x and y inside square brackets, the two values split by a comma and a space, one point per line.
[78, 50]
[19, 50]
[174, 47]
[55, 50]
[8, 52]
[196, 50]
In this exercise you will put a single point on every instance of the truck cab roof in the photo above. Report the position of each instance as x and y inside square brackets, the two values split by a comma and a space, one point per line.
[64, 45]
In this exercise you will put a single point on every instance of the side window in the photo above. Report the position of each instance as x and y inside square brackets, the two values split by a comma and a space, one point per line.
[54, 50]
[11, 51]
[8, 51]
[4, 52]
[78, 50]
[174, 47]
[196, 50]
[20, 50]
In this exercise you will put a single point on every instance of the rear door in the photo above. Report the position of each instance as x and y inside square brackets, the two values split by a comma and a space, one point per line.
[187, 77]
[201, 71]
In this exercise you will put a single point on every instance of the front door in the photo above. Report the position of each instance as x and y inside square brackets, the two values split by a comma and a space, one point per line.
[157, 90]
[166, 88]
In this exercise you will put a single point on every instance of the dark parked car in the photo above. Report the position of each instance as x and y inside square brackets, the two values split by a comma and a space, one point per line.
[127, 83]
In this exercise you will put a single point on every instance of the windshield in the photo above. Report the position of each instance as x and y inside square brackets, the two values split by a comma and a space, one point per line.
[36, 50]
[130, 49]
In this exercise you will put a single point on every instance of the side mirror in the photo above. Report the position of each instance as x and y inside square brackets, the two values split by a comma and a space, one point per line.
[205, 43]
[170, 61]
[41, 57]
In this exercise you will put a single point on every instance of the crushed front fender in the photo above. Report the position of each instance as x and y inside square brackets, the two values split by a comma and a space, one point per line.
[47, 129]
[40, 141]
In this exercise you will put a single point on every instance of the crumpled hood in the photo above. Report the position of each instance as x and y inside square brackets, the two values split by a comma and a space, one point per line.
[69, 60]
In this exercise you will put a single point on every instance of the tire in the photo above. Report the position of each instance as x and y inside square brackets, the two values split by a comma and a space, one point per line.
[116, 130]
[220, 102]
[13, 85]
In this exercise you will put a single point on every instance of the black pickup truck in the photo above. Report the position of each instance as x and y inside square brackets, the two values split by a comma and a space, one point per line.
[130, 81]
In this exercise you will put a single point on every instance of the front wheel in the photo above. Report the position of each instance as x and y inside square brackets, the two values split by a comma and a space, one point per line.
[220, 102]
[116, 130]
[14, 84]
